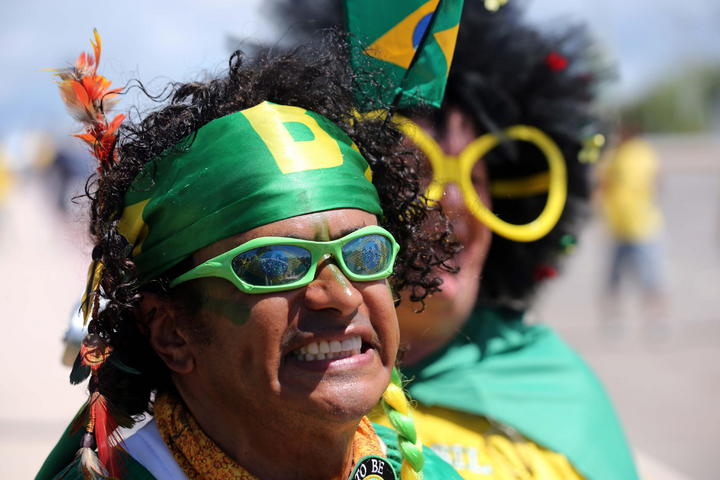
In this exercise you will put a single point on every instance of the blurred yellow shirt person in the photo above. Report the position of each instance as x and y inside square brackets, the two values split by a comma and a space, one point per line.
[629, 205]
[6, 179]
[628, 191]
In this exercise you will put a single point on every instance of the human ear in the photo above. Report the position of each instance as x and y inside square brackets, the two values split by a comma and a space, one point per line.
[172, 344]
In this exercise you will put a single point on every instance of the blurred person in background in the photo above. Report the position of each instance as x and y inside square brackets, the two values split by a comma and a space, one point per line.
[23, 153]
[497, 396]
[6, 182]
[67, 172]
[627, 189]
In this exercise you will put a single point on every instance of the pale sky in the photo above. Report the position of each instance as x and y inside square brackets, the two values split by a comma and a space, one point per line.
[159, 40]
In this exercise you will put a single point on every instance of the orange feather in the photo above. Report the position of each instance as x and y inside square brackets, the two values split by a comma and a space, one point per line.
[97, 48]
[88, 97]
[88, 138]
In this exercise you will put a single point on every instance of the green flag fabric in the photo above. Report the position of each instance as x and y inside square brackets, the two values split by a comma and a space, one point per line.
[247, 169]
[411, 41]
[526, 377]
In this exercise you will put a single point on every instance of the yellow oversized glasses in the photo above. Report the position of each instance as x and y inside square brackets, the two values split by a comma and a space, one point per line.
[458, 170]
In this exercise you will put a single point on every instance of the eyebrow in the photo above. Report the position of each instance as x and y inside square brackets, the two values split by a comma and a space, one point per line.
[343, 233]
[348, 231]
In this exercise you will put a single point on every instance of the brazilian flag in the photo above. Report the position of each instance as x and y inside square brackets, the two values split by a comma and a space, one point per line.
[412, 41]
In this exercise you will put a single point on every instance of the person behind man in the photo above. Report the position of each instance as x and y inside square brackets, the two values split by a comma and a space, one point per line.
[498, 397]
[244, 234]
[627, 188]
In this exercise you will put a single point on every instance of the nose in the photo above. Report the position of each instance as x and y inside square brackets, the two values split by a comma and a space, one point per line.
[453, 202]
[332, 290]
[454, 206]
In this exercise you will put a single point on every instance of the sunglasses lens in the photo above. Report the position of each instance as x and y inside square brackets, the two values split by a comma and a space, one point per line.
[272, 265]
[367, 255]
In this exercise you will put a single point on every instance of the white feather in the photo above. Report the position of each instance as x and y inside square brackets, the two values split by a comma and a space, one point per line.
[90, 464]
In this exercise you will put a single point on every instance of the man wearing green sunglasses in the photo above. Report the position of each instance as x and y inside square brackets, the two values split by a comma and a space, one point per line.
[245, 281]
[274, 264]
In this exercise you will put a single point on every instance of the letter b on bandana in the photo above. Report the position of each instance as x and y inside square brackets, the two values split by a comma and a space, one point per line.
[294, 138]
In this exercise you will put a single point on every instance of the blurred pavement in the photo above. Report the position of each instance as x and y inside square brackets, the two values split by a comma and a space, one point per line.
[43, 262]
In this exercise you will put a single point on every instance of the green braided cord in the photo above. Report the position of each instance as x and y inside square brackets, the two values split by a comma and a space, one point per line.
[414, 456]
[407, 434]
[395, 377]
[397, 418]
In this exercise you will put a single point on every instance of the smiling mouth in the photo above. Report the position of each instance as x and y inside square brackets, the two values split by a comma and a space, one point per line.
[332, 350]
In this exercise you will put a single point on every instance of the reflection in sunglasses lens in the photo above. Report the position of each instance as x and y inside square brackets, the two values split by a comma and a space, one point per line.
[367, 255]
[272, 265]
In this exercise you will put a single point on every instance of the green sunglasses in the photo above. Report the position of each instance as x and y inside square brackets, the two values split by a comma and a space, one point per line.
[274, 264]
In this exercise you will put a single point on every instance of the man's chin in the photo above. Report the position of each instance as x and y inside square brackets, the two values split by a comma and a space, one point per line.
[347, 390]
[341, 403]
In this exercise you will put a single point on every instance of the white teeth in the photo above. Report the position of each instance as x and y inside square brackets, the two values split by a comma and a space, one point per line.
[329, 350]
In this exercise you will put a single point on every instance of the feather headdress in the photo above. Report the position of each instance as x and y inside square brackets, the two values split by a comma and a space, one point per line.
[89, 98]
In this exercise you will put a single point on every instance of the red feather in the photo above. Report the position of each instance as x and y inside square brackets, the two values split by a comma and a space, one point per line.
[106, 436]
[115, 123]
[89, 98]
[88, 138]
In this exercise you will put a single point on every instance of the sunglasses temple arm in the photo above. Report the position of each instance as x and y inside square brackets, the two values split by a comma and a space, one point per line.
[207, 269]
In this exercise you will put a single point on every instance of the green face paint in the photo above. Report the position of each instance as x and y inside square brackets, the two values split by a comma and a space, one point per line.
[323, 232]
[250, 168]
[340, 278]
[230, 308]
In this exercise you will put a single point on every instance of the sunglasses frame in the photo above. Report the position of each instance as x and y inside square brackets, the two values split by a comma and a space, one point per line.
[221, 265]
[458, 169]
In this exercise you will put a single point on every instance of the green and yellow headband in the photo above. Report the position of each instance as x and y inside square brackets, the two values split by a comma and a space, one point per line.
[250, 168]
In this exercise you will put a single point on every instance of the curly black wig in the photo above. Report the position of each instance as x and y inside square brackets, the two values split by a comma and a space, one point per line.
[506, 72]
[317, 79]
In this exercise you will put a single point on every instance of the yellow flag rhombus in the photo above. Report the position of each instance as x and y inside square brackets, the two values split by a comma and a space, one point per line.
[396, 46]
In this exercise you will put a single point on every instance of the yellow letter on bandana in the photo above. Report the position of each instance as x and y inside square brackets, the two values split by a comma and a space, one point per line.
[294, 138]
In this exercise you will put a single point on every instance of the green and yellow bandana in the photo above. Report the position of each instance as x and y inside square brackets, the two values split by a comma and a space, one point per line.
[250, 168]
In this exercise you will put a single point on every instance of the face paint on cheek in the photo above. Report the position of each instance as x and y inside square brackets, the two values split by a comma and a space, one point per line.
[233, 310]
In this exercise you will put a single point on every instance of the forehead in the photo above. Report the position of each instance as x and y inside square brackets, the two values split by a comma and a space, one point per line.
[320, 226]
